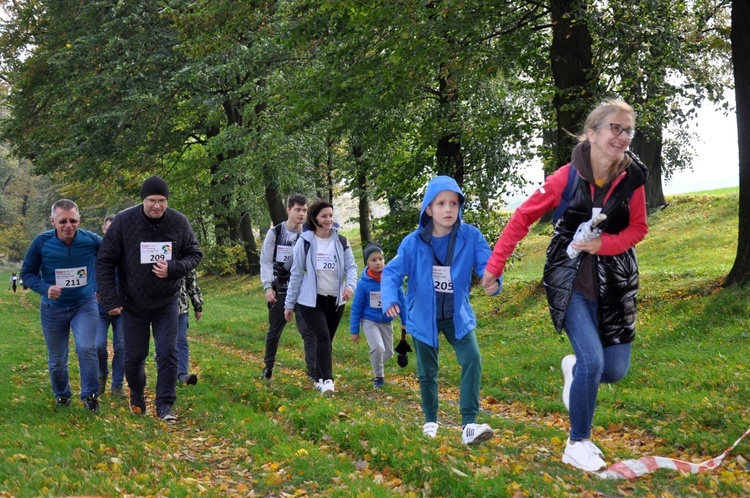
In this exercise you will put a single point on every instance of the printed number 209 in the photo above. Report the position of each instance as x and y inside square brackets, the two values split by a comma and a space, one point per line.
[157, 257]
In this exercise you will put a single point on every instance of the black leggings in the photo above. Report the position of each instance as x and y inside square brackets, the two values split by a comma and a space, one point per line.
[321, 323]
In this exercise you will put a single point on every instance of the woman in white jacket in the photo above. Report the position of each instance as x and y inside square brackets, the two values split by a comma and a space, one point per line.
[323, 277]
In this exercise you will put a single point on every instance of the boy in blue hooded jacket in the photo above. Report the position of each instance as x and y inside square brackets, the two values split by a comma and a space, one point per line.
[366, 313]
[439, 257]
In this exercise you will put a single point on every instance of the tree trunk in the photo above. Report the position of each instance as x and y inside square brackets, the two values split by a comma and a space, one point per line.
[324, 185]
[276, 203]
[450, 159]
[740, 272]
[251, 248]
[571, 60]
[650, 153]
[364, 198]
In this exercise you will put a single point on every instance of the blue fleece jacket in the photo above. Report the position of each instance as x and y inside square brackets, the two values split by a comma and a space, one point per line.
[361, 304]
[48, 253]
[415, 260]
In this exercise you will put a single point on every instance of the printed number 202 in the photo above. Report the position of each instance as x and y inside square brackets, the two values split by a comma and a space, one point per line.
[329, 266]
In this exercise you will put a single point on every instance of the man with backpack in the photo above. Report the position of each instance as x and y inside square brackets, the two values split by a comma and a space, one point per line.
[277, 250]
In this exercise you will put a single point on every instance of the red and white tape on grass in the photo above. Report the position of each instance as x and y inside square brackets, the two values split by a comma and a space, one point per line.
[630, 469]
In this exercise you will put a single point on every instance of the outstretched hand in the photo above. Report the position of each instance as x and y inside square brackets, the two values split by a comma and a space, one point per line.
[490, 283]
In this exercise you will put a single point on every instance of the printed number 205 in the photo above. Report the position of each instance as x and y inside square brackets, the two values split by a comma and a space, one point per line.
[443, 286]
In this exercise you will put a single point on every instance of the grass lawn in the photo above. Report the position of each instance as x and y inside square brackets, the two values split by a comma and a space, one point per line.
[687, 395]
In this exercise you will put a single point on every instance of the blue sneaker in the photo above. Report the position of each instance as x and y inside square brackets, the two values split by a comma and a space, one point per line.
[378, 382]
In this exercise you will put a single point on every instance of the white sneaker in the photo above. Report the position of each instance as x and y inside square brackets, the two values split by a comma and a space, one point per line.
[476, 433]
[326, 387]
[318, 385]
[583, 455]
[430, 429]
[567, 370]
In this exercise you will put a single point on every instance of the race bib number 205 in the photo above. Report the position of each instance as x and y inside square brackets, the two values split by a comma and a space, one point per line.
[152, 252]
[441, 278]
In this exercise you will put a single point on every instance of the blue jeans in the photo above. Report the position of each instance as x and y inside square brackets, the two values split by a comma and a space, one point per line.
[57, 322]
[183, 350]
[595, 364]
[164, 322]
[118, 344]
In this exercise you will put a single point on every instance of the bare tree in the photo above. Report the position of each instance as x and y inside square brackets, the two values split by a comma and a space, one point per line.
[740, 272]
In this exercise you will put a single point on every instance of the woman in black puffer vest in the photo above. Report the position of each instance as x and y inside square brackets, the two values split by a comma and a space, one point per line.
[592, 295]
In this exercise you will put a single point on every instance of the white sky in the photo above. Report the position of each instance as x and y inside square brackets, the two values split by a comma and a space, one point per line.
[716, 164]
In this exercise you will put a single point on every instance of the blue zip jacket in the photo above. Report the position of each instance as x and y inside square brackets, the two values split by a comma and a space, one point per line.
[415, 259]
[361, 308]
[48, 253]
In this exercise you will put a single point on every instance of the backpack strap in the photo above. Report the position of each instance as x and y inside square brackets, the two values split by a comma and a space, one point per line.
[276, 229]
[567, 195]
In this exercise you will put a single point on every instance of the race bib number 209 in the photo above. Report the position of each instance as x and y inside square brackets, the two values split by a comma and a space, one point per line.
[152, 252]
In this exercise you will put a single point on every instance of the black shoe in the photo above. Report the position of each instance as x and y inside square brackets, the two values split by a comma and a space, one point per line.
[60, 401]
[91, 402]
[102, 384]
[117, 392]
[188, 379]
[267, 373]
[164, 412]
[137, 403]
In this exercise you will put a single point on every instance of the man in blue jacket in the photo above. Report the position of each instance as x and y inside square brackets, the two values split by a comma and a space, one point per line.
[439, 258]
[59, 265]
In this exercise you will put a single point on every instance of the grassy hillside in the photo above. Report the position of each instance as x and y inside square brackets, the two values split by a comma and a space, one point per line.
[686, 396]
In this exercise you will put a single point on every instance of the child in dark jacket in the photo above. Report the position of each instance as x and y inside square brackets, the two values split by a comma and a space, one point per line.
[367, 313]
[439, 258]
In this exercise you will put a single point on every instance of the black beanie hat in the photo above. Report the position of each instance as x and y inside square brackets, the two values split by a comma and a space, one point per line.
[154, 185]
[371, 248]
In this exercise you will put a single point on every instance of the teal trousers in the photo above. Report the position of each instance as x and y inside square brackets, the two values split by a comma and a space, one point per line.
[468, 357]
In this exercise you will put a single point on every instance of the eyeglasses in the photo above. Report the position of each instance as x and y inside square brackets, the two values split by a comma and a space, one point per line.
[154, 202]
[71, 221]
[617, 130]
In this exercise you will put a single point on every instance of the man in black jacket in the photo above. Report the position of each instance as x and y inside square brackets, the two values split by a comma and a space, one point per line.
[153, 247]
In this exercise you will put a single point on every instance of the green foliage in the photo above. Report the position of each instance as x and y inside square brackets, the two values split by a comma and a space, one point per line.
[224, 260]
[240, 103]
[391, 229]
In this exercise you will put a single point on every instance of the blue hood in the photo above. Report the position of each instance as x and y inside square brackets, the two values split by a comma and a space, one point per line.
[434, 187]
